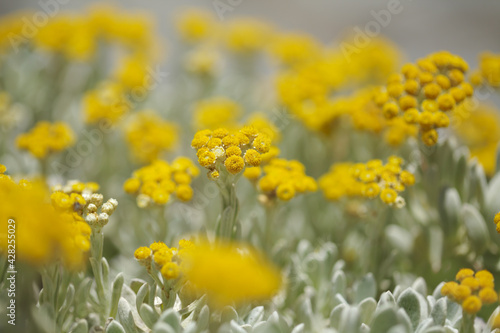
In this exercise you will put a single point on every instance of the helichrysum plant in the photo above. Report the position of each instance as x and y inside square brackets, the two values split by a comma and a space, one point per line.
[340, 193]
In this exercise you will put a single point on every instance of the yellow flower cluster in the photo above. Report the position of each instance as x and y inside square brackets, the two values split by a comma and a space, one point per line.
[148, 136]
[43, 233]
[232, 149]
[154, 183]
[370, 180]
[263, 124]
[107, 102]
[489, 70]
[366, 116]
[308, 89]
[290, 49]
[472, 290]
[497, 221]
[167, 260]
[230, 273]
[11, 26]
[425, 92]
[479, 129]
[246, 35]
[78, 36]
[202, 61]
[195, 25]
[46, 138]
[371, 65]
[84, 202]
[133, 71]
[281, 179]
[216, 112]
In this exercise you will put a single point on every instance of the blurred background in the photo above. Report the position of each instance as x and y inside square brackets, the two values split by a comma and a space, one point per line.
[462, 27]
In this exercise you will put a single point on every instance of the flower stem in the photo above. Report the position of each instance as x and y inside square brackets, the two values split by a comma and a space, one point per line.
[467, 325]
[227, 225]
[96, 241]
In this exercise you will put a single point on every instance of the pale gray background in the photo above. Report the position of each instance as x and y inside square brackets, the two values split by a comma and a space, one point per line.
[463, 27]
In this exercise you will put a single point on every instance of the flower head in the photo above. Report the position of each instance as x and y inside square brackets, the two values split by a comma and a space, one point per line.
[368, 180]
[472, 290]
[230, 273]
[46, 138]
[155, 183]
[66, 239]
[148, 136]
[232, 149]
[423, 93]
[282, 179]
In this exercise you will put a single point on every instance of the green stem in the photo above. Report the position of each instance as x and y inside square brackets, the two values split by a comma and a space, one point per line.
[163, 225]
[467, 325]
[270, 217]
[44, 167]
[97, 240]
[165, 295]
[228, 220]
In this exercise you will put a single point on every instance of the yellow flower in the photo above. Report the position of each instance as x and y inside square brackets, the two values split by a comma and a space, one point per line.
[489, 69]
[170, 271]
[234, 164]
[148, 136]
[473, 291]
[367, 180]
[283, 179]
[440, 79]
[223, 147]
[448, 289]
[143, 253]
[184, 192]
[132, 72]
[388, 195]
[155, 183]
[131, 185]
[472, 304]
[230, 273]
[202, 61]
[488, 295]
[291, 49]
[195, 25]
[252, 157]
[216, 112]
[246, 35]
[479, 129]
[461, 292]
[156, 246]
[36, 243]
[46, 138]
[464, 273]
[106, 102]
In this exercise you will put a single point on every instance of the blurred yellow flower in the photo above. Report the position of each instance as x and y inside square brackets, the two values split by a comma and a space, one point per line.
[154, 183]
[230, 273]
[107, 102]
[43, 234]
[148, 135]
[479, 129]
[216, 112]
[284, 179]
[245, 35]
[195, 25]
[46, 138]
